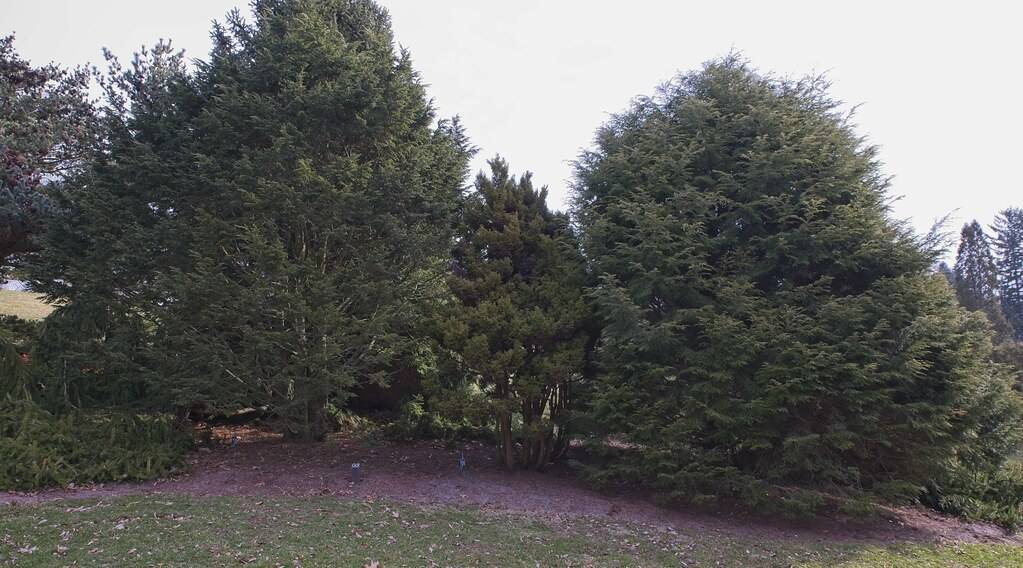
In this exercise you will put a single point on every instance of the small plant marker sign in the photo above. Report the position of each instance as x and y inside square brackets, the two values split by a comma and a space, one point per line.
[356, 472]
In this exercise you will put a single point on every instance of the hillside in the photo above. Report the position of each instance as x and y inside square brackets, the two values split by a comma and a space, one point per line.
[25, 305]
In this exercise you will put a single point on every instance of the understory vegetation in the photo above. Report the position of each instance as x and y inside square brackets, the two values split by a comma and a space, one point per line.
[727, 312]
[40, 449]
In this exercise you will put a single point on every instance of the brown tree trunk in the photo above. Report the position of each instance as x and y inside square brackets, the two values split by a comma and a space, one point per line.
[529, 435]
[181, 416]
[542, 454]
[308, 423]
[507, 446]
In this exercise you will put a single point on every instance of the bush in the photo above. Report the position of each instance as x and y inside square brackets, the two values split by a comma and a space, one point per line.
[416, 422]
[995, 495]
[16, 337]
[20, 332]
[41, 449]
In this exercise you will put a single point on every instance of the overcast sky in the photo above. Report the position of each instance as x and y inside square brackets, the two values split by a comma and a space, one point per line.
[938, 84]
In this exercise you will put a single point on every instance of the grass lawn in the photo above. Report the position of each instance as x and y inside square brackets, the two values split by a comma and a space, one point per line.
[25, 305]
[325, 531]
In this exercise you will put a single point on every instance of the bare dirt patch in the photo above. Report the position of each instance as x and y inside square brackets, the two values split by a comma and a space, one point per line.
[427, 473]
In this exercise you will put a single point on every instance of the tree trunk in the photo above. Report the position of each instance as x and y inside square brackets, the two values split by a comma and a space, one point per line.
[542, 454]
[182, 414]
[308, 422]
[507, 445]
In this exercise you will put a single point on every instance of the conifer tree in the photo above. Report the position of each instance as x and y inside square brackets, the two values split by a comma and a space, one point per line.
[520, 324]
[764, 318]
[276, 210]
[945, 270]
[1008, 244]
[976, 277]
[46, 126]
[125, 217]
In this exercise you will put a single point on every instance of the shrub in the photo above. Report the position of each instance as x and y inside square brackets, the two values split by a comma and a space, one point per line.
[16, 336]
[41, 449]
[416, 422]
[992, 495]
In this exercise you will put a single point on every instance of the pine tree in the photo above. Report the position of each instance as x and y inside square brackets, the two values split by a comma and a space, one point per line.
[976, 277]
[764, 318]
[1008, 244]
[46, 126]
[259, 228]
[520, 325]
[948, 272]
[124, 218]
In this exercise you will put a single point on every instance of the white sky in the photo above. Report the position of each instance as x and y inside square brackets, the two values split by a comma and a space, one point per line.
[939, 83]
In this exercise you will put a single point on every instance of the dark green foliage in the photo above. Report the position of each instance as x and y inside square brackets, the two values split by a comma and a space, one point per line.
[765, 320]
[976, 278]
[46, 124]
[519, 327]
[988, 495]
[416, 422]
[945, 270]
[16, 337]
[993, 284]
[267, 229]
[1008, 244]
[102, 255]
[90, 356]
[257, 232]
[41, 449]
[1010, 354]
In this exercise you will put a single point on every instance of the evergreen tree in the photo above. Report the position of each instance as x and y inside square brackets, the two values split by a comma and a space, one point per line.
[1008, 244]
[520, 325]
[124, 218]
[276, 212]
[765, 320]
[46, 125]
[976, 277]
[945, 270]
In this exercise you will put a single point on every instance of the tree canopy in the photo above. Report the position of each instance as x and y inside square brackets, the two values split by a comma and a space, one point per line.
[763, 316]
[1008, 244]
[255, 229]
[46, 127]
[520, 325]
[976, 277]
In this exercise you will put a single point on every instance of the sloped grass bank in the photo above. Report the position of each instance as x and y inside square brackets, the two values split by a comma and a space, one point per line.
[25, 305]
[324, 531]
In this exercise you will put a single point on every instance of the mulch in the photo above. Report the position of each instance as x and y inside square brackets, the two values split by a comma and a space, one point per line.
[427, 473]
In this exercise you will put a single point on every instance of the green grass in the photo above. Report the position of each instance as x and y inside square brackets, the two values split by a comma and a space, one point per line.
[25, 305]
[322, 531]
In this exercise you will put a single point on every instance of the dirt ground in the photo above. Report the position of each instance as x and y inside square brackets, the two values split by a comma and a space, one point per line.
[427, 473]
